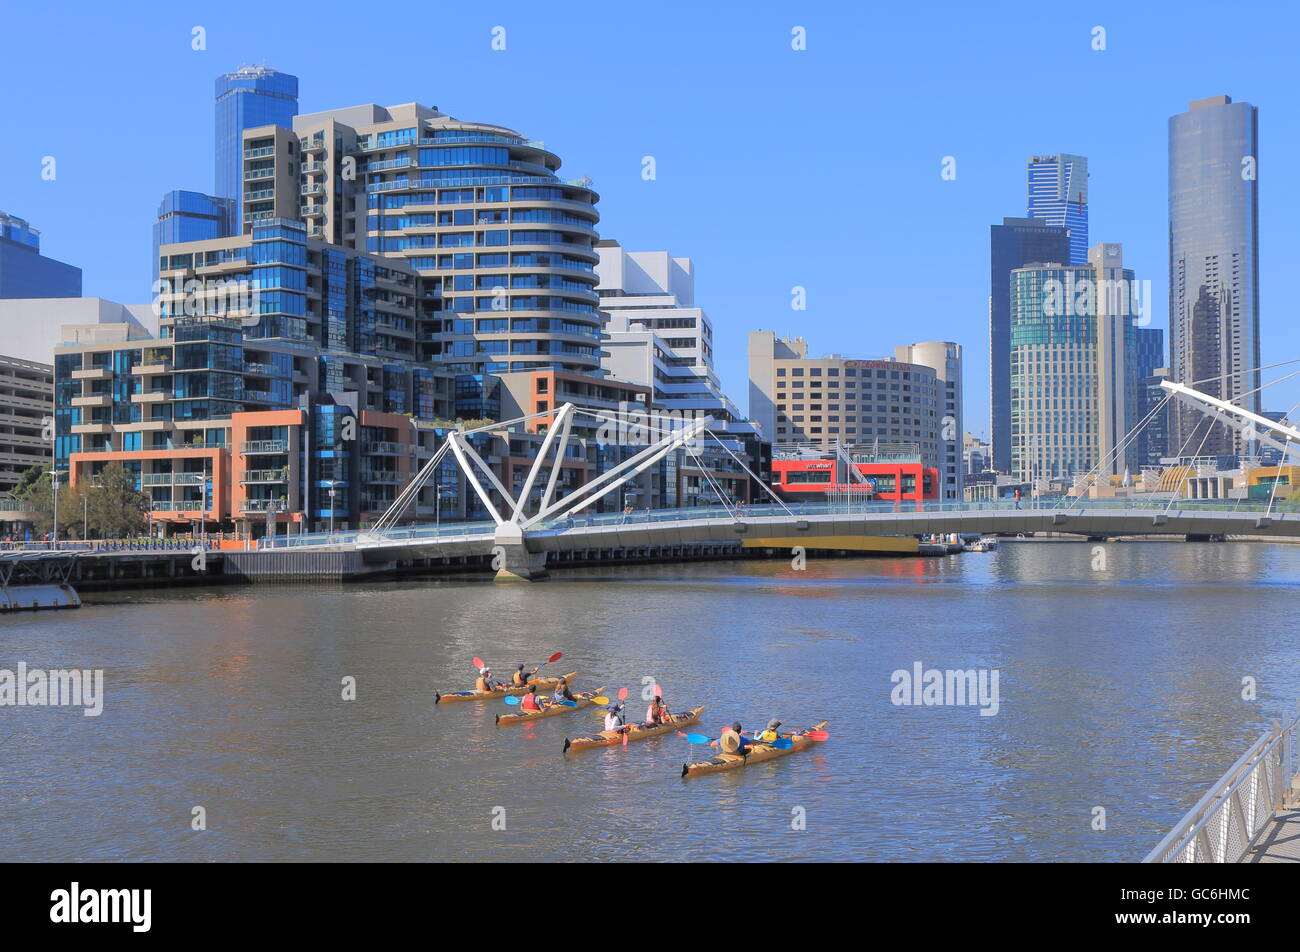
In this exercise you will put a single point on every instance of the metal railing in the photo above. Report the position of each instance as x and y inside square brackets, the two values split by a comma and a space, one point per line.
[1226, 822]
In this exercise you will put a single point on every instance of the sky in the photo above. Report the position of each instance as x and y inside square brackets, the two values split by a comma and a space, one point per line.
[775, 167]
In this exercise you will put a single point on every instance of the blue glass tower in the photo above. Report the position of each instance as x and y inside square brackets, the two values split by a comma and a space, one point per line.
[1058, 194]
[24, 271]
[250, 97]
[191, 216]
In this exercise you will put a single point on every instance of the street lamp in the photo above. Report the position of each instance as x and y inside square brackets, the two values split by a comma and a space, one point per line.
[54, 480]
[331, 484]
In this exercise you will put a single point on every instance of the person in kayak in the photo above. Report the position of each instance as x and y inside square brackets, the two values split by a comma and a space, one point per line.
[656, 713]
[769, 735]
[520, 678]
[485, 684]
[530, 700]
[562, 693]
[732, 741]
[614, 718]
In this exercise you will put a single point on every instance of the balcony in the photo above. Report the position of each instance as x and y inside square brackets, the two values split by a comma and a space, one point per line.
[313, 166]
[149, 396]
[312, 190]
[253, 175]
[152, 366]
[265, 476]
[93, 373]
[171, 479]
[381, 476]
[93, 400]
[259, 152]
[264, 505]
[254, 447]
[382, 448]
[308, 210]
[91, 429]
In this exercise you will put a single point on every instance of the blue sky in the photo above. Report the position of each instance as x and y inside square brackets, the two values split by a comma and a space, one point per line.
[775, 168]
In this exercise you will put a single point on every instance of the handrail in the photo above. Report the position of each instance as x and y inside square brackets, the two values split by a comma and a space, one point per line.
[1222, 827]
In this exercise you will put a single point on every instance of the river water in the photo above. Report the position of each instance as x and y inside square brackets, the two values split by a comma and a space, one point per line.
[1120, 681]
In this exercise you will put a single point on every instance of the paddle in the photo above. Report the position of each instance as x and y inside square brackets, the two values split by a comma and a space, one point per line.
[553, 658]
[512, 700]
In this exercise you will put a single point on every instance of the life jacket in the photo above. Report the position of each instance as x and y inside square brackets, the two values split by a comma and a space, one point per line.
[520, 678]
[482, 684]
[529, 703]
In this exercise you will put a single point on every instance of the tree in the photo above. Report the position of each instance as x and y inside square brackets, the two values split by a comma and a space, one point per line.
[39, 499]
[28, 480]
[117, 509]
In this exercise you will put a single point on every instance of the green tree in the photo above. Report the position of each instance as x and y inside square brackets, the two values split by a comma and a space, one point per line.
[117, 509]
[27, 481]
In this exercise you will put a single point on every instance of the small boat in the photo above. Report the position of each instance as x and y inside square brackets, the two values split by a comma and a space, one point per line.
[513, 690]
[757, 754]
[985, 544]
[584, 699]
[633, 732]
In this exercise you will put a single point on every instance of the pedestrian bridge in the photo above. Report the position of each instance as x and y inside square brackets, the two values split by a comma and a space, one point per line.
[779, 526]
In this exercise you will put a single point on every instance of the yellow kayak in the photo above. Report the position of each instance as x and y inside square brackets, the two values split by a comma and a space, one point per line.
[633, 732]
[757, 754]
[584, 700]
[514, 690]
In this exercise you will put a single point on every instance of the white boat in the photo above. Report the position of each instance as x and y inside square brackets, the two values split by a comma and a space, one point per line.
[985, 544]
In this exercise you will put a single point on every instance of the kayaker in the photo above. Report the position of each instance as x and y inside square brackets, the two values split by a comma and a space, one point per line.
[769, 735]
[614, 718]
[731, 741]
[530, 701]
[485, 684]
[562, 693]
[520, 678]
[656, 713]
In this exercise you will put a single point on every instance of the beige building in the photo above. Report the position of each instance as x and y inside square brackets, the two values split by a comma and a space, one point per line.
[800, 400]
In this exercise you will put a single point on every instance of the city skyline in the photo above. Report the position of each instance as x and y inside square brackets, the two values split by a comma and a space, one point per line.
[745, 286]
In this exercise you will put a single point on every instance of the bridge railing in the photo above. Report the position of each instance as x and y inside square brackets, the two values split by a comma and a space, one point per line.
[851, 507]
[1226, 822]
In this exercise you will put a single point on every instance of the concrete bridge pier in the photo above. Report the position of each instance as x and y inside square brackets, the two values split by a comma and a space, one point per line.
[512, 559]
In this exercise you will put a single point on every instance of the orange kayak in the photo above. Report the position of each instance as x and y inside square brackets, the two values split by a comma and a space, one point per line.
[633, 731]
[584, 700]
[514, 690]
[757, 754]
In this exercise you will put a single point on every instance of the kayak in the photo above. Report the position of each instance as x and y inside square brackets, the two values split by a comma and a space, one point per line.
[515, 690]
[634, 732]
[584, 700]
[757, 754]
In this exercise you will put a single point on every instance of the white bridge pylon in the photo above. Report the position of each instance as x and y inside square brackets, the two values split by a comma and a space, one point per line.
[1250, 424]
[513, 514]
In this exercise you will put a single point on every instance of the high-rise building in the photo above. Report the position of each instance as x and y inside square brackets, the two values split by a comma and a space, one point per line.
[250, 97]
[1058, 195]
[1015, 243]
[656, 336]
[1151, 443]
[1074, 368]
[799, 400]
[1213, 268]
[502, 244]
[24, 271]
[191, 216]
[945, 358]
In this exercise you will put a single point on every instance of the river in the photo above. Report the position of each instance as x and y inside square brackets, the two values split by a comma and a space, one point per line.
[1120, 681]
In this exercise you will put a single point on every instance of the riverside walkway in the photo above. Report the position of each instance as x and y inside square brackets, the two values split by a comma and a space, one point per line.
[1250, 815]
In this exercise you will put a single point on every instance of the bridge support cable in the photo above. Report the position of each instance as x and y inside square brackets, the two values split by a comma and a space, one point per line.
[768, 489]
[410, 491]
[1277, 477]
[612, 479]
[1093, 474]
[560, 423]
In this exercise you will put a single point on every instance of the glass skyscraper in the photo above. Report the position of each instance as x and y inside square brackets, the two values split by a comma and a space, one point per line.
[191, 216]
[248, 98]
[1213, 267]
[1013, 244]
[24, 271]
[1058, 194]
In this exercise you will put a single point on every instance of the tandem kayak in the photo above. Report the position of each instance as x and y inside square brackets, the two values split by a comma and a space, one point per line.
[584, 700]
[515, 690]
[757, 754]
[633, 732]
